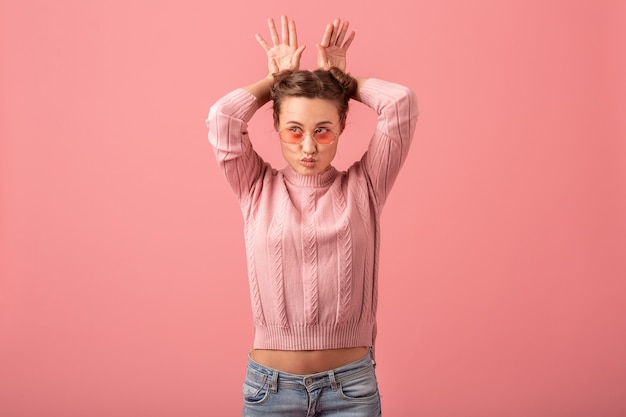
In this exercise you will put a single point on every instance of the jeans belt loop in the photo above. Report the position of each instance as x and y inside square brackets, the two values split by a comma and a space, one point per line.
[333, 382]
[273, 384]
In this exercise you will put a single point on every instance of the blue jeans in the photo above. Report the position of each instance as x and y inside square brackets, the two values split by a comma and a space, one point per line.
[348, 391]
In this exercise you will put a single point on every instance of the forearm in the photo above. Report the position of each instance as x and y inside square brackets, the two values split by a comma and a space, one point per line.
[261, 89]
[359, 83]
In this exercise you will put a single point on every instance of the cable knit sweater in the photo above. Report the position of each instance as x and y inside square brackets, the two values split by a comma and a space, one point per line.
[312, 242]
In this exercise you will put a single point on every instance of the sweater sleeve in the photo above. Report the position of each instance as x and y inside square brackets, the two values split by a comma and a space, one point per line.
[228, 134]
[396, 107]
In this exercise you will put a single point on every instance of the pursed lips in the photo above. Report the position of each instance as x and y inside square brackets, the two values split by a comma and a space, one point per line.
[308, 161]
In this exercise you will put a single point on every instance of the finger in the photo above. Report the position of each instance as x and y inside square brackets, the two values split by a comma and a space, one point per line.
[284, 23]
[293, 36]
[333, 38]
[327, 35]
[262, 42]
[273, 33]
[297, 55]
[348, 41]
[342, 33]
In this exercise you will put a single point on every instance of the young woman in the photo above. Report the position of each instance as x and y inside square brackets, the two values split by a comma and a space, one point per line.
[312, 231]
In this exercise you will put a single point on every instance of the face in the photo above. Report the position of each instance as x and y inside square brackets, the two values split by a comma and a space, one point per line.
[308, 115]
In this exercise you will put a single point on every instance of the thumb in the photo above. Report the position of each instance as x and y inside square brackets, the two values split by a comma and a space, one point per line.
[299, 51]
[321, 51]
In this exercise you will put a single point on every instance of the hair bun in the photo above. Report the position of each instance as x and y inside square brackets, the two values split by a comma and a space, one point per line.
[282, 75]
[346, 82]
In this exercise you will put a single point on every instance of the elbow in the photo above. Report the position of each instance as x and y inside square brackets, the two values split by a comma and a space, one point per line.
[411, 103]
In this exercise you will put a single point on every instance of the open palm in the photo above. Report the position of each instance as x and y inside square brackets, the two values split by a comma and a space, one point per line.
[284, 54]
[331, 51]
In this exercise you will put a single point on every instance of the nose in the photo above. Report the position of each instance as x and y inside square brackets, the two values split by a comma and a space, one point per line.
[309, 145]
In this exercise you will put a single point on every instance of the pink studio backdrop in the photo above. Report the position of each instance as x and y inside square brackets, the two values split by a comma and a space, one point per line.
[123, 289]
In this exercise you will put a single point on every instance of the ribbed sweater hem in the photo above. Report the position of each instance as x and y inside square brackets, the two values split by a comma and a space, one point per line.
[313, 337]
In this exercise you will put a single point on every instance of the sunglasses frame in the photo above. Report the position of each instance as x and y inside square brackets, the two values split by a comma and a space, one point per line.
[312, 135]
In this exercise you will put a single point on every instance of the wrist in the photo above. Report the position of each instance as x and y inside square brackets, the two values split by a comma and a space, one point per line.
[261, 89]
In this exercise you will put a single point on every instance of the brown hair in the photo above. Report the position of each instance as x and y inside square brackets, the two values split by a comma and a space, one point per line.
[333, 85]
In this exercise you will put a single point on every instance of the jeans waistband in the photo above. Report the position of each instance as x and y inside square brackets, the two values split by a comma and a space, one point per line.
[325, 378]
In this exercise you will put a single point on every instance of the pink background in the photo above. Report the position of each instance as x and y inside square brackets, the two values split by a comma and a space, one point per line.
[123, 288]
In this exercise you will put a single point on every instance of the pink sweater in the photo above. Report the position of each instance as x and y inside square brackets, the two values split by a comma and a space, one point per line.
[312, 242]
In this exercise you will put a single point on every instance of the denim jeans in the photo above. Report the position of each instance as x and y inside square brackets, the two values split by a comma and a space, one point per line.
[348, 391]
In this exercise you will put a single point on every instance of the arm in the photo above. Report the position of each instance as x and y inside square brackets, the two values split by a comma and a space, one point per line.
[228, 135]
[396, 107]
[229, 116]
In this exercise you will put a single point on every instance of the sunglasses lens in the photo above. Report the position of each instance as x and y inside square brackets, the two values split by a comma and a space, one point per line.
[324, 137]
[291, 136]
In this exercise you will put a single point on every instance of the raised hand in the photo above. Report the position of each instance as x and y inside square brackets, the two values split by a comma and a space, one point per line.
[284, 54]
[331, 52]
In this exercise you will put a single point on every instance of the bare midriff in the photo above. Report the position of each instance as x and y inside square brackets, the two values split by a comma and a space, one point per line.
[305, 362]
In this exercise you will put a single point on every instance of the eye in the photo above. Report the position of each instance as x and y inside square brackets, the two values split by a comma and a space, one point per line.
[295, 130]
[321, 130]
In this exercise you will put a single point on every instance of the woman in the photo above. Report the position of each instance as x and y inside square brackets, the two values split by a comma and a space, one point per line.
[311, 231]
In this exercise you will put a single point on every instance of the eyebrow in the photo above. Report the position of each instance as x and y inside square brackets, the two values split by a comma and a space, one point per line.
[325, 122]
